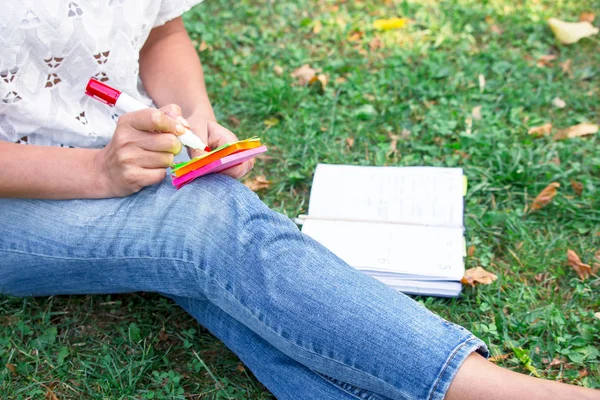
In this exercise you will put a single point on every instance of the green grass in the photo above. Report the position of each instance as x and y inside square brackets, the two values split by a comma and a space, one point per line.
[423, 82]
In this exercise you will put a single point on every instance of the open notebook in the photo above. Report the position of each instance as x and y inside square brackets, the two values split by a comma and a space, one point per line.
[401, 225]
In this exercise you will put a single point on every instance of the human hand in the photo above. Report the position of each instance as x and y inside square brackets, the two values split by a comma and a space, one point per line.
[216, 135]
[142, 147]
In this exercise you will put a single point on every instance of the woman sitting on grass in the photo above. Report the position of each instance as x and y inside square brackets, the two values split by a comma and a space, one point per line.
[86, 208]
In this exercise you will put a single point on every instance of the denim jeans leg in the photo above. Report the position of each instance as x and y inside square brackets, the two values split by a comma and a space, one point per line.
[284, 377]
[248, 261]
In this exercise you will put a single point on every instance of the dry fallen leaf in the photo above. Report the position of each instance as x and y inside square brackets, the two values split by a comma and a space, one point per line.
[597, 315]
[539, 131]
[577, 187]
[350, 142]
[571, 32]
[566, 66]
[558, 102]
[578, 130]
[546, 60]
[471, 251]
[203, 46]
[322, 79]
[390, 23]
[278, 70]
[317, 27]
[476, 113]
[11, 368]
[393, 144]
[583, 270]
[481, 83]
[499, 357]
[304, 74]
[555, 361]
[375, 44]
[355, 36]
[597, 255]
[587, 17]
[234, 121]
[478, 275]
[258, 183]
[271, 122]
[545, 196]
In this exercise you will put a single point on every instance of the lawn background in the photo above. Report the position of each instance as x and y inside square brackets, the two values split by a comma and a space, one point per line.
[417, 87]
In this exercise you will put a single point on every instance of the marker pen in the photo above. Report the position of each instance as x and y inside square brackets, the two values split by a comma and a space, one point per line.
[126, 103]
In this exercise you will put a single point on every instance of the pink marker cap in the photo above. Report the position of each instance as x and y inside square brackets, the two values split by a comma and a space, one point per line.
[102, 92]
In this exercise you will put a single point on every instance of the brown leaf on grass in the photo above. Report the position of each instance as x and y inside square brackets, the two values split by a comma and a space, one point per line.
[539, 131]
[340, 79]
[499, 357]
[11, 368]
[50, 395]
[163, 336]
[234, 121]
[278, 70]
[471, 251]
[597, 255]
[577, 187]
[583, 270]
[375, 44]
[258, 183]
[555, 361]
[393, 144]
[203, 46]
[320, 80]
[304, 74]
[587, 17]
[566, 66]
[545, 196]
[476, 113]
[546, 60]
[575, 131]
[317, 27]
[597, 315]
[478, 275]
[355, 36]
[240, 367]
[583, 373]
[350, 142]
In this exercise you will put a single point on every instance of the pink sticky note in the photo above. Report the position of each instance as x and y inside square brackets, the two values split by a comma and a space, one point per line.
[218, 165]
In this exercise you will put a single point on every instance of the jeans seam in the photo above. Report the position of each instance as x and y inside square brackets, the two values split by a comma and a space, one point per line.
[447, 364]
[289, 341]
[95, 258]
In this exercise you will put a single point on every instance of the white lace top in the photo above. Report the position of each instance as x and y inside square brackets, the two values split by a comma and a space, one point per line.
[48, 51]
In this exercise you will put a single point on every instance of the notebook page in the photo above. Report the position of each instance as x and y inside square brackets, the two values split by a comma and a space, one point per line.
[409, 195]
[388, 249]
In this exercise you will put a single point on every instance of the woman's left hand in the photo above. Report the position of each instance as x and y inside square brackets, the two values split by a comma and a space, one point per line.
[216, 135]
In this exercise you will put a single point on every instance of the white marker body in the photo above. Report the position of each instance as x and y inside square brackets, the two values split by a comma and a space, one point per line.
[127, 104]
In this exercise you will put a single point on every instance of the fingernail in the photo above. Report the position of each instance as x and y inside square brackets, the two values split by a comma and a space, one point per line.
[183, 121]
[180, 129]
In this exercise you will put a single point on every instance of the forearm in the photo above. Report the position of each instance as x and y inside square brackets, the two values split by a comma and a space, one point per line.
[29, 171]
[171, 70]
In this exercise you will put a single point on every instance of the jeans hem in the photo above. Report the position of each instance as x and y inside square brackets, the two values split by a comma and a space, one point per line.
[453, 363]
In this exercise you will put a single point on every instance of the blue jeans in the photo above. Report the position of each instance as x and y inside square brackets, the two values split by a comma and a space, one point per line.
[306, 324]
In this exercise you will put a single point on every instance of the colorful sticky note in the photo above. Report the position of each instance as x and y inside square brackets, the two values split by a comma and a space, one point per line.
[218, 165]
[220, 152]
